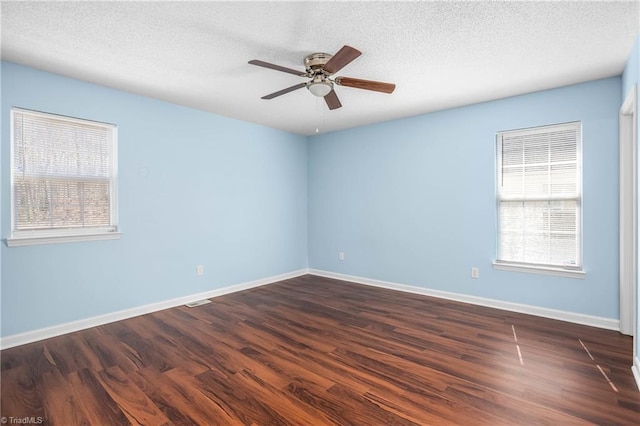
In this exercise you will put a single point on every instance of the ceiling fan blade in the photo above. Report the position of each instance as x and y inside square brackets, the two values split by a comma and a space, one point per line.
[332, 100]
[343, 57]
[277, 67]
[283, 91]
[377, 86]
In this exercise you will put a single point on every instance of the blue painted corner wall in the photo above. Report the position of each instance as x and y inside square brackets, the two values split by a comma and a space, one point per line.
[412, 201]
[194, 189]
[409, 201]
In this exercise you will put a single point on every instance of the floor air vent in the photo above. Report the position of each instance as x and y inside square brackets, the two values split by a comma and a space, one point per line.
[198, 303]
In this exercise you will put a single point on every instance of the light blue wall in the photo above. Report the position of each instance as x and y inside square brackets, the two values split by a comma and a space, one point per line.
[229, 195]
[409, 201]
[2, 123]
[412, 201]
[631, 72]
[631, 76]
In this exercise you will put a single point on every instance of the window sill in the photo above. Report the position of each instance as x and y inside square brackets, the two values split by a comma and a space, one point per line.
[54, 239]
[544, 270]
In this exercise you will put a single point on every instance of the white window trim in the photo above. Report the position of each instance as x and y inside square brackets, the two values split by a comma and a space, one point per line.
[537, 269]
[577, 272]
[20, 238]
[53, 239]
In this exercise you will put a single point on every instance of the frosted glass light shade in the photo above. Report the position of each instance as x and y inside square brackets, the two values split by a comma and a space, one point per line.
[320, 88]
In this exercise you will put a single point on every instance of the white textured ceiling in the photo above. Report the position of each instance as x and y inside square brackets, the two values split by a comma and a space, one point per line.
[439, 54]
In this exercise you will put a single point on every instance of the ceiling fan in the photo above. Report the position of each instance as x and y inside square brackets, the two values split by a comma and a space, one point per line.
[319, 68]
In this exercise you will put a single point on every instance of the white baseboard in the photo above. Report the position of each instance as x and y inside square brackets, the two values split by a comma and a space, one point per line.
[636, 371]
[593, 321]
[57, 330]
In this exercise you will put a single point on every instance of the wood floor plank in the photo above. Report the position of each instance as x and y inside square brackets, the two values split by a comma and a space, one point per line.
[176, 356]
[287, 366]
[60, 405]
[182, 403]
[96, 403]
[21, 393]
[238, 402]
[314, 350]
[133, 402]
[290, 408]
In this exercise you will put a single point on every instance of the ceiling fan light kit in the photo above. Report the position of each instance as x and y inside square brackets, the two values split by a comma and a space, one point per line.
[319, 67]
[320, 86]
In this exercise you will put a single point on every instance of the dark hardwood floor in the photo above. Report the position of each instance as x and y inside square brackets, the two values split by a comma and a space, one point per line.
[311, 351]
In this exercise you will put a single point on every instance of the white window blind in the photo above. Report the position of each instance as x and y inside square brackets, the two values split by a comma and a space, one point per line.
[539, 196]
[63, 176]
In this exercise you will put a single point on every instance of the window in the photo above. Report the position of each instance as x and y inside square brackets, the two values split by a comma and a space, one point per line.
[63, 179]
[539, 197]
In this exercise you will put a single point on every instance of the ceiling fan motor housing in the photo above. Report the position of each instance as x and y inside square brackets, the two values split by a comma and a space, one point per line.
[314, 63]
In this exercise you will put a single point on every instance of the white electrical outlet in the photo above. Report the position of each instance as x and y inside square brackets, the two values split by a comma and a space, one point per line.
[200, 270]
[341, 255]
[475, 272]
